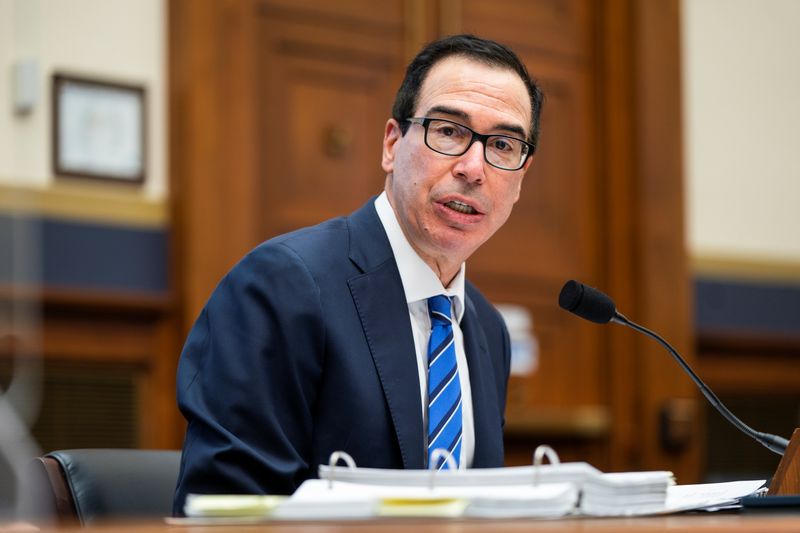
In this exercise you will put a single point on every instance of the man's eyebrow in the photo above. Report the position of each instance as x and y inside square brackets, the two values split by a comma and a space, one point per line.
[444, 110]
[510, 128]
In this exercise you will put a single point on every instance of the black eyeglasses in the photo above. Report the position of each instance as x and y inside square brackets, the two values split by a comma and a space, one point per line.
[451, 138]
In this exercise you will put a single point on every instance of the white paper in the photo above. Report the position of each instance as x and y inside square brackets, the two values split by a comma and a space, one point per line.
[710, 494]
[315, 499]
[576, 472]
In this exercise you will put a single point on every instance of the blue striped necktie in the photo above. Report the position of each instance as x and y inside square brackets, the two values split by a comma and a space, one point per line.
[444, 388]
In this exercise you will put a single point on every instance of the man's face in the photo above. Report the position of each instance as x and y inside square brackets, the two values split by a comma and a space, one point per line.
[423, 185]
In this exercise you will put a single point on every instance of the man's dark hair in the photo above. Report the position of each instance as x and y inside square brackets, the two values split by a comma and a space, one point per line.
[486, 51]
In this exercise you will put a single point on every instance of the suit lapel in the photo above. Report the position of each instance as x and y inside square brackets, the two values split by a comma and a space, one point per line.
[380, 301]
[488, 448]
[381, 304]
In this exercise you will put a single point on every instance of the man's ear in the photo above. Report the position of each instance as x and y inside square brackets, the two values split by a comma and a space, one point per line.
[391, 135]
[524, 170]
[527, 164]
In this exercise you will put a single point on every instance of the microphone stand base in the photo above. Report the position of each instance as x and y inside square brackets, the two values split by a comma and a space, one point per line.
[786, 480]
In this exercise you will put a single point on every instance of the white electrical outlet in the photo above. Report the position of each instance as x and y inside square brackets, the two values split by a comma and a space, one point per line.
[26, 86]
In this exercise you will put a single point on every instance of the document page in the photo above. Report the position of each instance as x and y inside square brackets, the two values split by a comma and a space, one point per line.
[710, 495]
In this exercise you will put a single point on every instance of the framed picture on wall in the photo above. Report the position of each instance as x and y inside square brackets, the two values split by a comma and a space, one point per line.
[99, 129]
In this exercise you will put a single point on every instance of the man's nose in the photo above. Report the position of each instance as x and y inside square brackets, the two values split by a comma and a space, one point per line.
[470, 164]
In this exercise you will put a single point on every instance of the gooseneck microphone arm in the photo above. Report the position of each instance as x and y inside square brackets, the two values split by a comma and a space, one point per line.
[591, 304]
[773, 442]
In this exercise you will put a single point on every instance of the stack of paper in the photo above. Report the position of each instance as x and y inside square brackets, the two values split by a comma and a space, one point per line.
[576, 473]
[712, 496]
[319, 499]
[625, 493]
[551, 500]
[540, 491]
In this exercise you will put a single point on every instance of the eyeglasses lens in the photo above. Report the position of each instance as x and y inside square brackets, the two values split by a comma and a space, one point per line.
[450, 138]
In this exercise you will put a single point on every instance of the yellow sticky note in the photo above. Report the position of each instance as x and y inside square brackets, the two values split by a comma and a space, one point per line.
[427, 507]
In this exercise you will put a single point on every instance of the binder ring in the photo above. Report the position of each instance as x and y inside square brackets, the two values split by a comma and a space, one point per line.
[542, 451]
[335, 457]
[440, 453]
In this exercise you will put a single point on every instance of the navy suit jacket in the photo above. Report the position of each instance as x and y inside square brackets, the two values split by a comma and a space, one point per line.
[304, 348]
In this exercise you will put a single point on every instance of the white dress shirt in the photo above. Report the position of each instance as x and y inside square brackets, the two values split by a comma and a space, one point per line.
[419, 284]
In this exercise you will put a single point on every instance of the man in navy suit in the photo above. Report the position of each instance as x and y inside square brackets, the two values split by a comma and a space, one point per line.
[317, 340]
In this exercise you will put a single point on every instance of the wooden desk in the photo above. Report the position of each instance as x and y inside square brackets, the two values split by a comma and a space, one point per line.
[704, 523]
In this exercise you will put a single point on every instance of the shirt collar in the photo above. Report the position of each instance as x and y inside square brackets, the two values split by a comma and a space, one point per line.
[419, 280]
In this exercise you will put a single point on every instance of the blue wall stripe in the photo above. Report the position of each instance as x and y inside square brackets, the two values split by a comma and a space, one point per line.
[63, 253]
[79, 255]
[751, 306]
[20, 250]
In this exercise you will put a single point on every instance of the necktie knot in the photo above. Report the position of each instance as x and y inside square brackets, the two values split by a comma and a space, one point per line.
[439, 309]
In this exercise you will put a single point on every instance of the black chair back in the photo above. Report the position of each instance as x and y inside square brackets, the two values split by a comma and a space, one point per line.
[94, 484]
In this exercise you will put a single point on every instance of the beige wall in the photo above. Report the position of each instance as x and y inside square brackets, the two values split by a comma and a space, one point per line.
[742, 128]
[118, 40]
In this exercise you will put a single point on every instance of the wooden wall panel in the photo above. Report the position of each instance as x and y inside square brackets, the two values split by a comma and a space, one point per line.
[102, 338]
[647, 269]
[214, 172]
[559, 30]
[613, 49]
[662, 262]
[328, 79]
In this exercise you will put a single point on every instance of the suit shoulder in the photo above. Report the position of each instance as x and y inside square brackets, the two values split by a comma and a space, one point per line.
[329, 232]
[310, 245]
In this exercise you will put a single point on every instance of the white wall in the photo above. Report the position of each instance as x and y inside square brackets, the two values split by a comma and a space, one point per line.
[119, 40]
[741, 99]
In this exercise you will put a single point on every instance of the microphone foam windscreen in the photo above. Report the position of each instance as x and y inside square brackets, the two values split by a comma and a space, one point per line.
[587, 302]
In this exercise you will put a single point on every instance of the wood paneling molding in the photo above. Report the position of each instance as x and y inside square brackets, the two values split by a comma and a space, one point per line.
[646, 263]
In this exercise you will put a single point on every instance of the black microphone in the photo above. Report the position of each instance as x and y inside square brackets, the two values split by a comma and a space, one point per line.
[592, 304]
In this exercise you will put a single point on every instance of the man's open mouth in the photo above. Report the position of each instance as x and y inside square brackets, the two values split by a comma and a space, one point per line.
[461, 207]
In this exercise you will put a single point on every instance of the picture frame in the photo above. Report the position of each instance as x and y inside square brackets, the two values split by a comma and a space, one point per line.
[99, 129]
